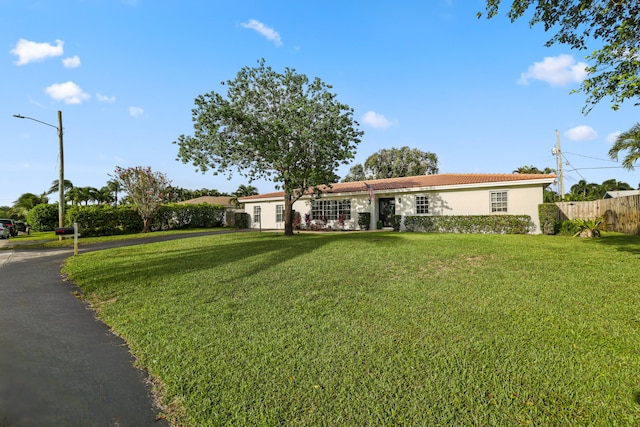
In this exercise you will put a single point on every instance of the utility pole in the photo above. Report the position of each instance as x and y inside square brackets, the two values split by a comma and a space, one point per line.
[558, 154]
[61, 201]
[61, 171]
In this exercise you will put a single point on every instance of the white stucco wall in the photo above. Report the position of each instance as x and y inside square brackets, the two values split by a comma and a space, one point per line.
[470, 200]
[523, 200]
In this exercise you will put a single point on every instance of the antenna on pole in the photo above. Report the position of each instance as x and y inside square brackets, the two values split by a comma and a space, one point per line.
[558, 154]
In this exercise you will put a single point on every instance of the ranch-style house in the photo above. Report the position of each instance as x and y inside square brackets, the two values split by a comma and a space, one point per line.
[442, 194]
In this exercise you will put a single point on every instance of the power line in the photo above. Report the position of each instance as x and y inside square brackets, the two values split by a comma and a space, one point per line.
[603, 167]
[594, 158]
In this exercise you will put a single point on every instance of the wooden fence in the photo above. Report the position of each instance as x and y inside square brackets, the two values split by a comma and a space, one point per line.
[621, 214]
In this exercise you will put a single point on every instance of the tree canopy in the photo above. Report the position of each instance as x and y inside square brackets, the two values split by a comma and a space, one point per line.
[145, 190]
[627, 141]
[278, 126]
[394, 163]
[534, 170]
[614, 25]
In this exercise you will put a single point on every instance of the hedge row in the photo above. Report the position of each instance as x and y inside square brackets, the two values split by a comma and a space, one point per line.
[105, 220]
[178, 216]
[549, 214]
[487, 224]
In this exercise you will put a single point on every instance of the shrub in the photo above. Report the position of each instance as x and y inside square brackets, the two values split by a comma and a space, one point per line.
[176, 216]
[364, 220]
[495, 224]
[588, 227]
[567, 228]
[104, 220]
[241, 219]
[548, 215]
[43, 217]
[396, 222]
[297, 220]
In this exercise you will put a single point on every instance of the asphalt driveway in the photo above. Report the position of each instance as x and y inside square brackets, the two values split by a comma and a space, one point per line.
[59, 365]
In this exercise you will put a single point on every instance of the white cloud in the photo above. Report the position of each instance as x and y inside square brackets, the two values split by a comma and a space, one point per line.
[68, 92]
[105, 98]
[612, 137]
[72, 62]
[28, 51]
[135, 111]
[267, 32]
[376, 120]
[581, 133]
[556, 70]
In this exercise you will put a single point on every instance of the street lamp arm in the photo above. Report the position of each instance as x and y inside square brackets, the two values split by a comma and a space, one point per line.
[19, 116]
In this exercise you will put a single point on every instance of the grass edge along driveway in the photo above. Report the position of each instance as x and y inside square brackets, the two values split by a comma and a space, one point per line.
[357, 329]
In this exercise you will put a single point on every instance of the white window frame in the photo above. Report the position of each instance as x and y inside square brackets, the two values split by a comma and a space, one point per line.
[257, 211]
[499, 201]
[330, 209]
[422, 204]
[279, 213]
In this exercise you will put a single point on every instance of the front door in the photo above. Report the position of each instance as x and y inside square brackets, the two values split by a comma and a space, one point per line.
[386, 211]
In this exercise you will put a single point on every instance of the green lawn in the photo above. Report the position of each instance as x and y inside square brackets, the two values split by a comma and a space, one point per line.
[372, 329]
[48, 239]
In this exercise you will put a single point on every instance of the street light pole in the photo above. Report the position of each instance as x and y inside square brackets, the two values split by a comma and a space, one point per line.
[61, 175]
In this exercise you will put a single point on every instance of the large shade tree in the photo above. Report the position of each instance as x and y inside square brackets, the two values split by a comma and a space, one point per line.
[609, 28]
[394, 163]
[145, 190]
[270, 125]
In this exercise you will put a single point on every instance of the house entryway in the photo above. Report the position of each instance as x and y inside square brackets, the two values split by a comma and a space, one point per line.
[386, 211]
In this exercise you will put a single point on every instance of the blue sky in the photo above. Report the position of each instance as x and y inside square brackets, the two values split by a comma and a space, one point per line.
[484, 96]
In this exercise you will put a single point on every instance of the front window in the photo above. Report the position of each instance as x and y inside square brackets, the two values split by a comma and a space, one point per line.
[422, 205]
[498, 201]
[279, 213]
[256, 214]
[330, 210]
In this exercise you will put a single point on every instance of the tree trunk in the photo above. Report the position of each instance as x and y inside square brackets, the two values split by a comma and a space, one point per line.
[288, 216]
[145, 225]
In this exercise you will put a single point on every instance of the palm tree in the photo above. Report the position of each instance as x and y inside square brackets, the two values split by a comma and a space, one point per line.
[534, 170]
[114, 186]
[73, 195]
[26, 202]
[55, 185]
[104, 196]
[629, 140]
[243, 191]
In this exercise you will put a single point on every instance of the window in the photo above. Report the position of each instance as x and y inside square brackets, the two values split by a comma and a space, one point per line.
[498, 201]
[422, 205]
[330, 210]
[279, 213]
[256, 214]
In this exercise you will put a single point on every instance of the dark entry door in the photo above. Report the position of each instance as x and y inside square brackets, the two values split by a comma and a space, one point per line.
[386, 210]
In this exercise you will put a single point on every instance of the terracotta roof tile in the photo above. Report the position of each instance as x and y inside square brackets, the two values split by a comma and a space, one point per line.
[420, 181]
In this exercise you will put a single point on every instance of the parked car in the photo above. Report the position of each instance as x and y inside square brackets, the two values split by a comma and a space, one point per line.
[11, 225]
[21, 226]
[5, 233]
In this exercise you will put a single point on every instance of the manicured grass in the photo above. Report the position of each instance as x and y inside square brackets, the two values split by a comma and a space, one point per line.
[355, 329]
[48, 239]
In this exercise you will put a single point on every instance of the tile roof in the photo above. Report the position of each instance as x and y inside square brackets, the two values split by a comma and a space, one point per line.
[420, 181]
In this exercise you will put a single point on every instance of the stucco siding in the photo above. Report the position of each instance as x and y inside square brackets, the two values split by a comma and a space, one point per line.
[509, 198]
